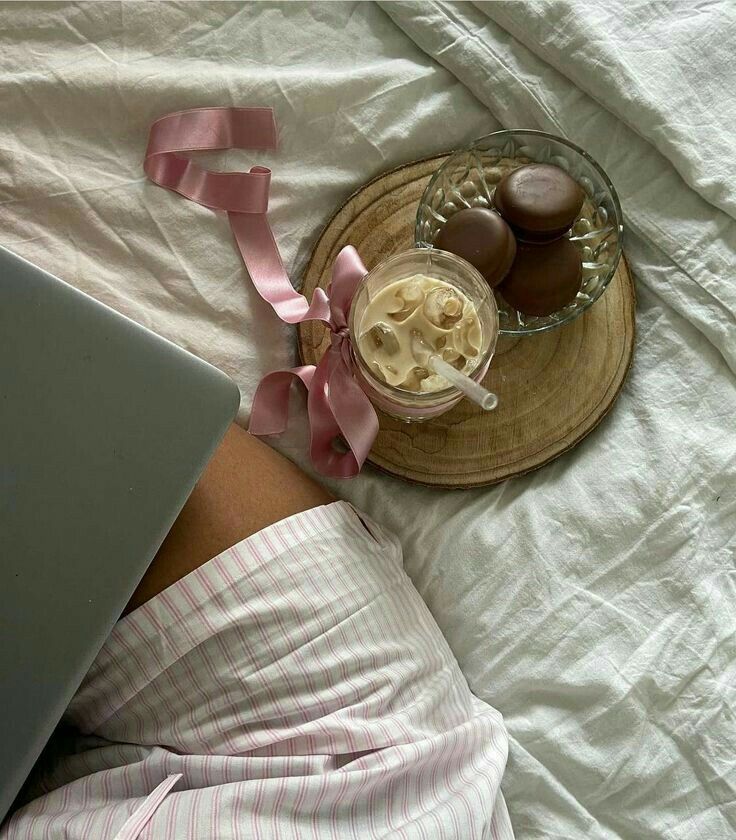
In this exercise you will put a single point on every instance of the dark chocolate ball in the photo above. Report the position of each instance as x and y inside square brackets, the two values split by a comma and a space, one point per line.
[543, 278]
[539, 201]
[481, 237]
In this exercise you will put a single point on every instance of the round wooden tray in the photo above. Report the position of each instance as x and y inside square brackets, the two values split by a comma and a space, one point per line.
[553, 387]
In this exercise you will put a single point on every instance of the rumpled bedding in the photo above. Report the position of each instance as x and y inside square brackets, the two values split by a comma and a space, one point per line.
[592, 602]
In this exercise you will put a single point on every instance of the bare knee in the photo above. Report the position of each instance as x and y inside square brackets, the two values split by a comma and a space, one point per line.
[245, 487]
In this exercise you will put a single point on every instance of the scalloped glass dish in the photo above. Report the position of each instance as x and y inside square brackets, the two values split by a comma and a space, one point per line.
[468, 178]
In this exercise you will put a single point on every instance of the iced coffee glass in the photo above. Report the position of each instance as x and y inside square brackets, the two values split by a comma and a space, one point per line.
[411, 306]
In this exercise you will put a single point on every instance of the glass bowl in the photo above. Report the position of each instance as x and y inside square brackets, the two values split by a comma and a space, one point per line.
[412, 406]
[468, 178]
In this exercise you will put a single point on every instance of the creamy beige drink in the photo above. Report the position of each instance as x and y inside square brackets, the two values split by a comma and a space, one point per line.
[409, 321]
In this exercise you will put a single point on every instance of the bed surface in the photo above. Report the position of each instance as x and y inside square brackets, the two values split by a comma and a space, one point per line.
[593, 602]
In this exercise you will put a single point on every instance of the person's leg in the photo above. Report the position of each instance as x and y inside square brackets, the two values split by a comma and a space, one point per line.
[245, 487]
[296, 681]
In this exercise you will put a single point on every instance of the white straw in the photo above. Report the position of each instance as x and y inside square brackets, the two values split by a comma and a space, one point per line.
[472, 389]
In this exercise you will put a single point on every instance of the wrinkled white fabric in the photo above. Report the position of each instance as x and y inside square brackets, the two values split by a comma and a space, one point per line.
[592, 602]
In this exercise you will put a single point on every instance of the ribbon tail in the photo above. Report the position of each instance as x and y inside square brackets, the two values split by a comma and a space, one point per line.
[257, 247]
[270, 408]
[206, 129]
[336, 410]
[347, 272]
[353, 412]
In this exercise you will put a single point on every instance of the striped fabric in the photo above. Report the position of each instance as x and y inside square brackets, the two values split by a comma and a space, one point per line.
[301, 688]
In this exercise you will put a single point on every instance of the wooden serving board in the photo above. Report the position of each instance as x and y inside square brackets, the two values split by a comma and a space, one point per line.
[553, 387]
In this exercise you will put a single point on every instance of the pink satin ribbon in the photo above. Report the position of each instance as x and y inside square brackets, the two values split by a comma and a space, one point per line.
[337, 407]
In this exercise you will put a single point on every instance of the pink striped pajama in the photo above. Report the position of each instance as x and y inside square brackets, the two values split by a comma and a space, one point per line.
[301, 688]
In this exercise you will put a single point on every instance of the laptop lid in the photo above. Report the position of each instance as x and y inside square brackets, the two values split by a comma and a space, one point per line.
[104, 430]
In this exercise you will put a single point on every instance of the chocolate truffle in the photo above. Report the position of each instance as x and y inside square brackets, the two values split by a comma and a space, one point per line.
[539, 201]
[543, 278]
[481, 237]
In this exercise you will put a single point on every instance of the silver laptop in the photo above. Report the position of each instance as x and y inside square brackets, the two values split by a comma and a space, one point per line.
[104, 430]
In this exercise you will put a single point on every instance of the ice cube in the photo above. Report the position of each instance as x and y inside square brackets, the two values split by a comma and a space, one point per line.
[467, 337]
[443, 307]
[419, 348]
[457, 360]
[414, 379]
[408, 298]
[435, 382]
[384, 338]
[411, 293]
[378, 371]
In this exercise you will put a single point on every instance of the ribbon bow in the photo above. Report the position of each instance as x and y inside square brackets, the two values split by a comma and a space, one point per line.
[336, 404]
[337, 407]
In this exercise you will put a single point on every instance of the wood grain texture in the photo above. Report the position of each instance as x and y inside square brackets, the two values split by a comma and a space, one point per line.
[553, 388]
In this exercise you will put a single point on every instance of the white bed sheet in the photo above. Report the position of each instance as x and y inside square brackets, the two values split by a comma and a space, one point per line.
[592, 602]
